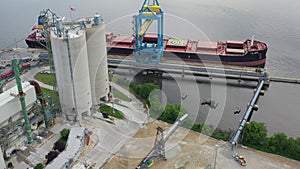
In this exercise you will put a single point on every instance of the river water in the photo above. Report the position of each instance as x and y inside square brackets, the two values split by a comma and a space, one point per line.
[274, 22]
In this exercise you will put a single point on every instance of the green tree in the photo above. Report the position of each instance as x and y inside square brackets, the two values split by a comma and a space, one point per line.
[278, 143]
[39, 166]
[197, 127]
[155, 105]
[65, 133]
[144, 90]
[172, 113]
[10, 165]
[293, 148]
[207, 129]
[296, 152]
[255, 134]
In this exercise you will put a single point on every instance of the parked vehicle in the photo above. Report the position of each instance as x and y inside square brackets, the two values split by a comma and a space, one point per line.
[2, 66]
[43, 57]
[25, 59]
[240, 159]
[25, 65]
[7, 74]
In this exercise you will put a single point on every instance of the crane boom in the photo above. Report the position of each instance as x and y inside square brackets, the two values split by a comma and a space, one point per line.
[158, 151]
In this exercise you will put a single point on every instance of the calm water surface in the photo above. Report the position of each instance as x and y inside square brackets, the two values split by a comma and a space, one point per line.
[274, 22]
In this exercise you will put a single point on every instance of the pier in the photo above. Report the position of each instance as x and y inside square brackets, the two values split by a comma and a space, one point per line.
[229, 72]
[284, 79]
[188, 68]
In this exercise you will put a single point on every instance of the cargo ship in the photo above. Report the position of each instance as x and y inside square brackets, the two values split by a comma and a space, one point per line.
[249, 53]
[36, 39]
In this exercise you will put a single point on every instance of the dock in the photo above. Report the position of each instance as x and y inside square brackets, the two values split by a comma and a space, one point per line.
[284, 79]
[196, 70]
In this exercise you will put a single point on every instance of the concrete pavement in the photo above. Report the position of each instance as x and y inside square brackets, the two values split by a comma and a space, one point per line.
[29, 75]
[111, 136]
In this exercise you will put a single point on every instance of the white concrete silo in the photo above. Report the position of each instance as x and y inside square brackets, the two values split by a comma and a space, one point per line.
[97, 54]
[72, 72]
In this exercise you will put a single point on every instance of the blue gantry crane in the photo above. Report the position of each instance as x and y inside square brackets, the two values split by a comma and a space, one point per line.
[148, 52]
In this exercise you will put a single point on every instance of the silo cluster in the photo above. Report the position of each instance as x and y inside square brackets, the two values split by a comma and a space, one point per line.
[80, 60]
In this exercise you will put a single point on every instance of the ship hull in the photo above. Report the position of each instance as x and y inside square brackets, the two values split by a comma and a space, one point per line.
[119, 51]
[35, 43]
[229, 53]
[251, 59]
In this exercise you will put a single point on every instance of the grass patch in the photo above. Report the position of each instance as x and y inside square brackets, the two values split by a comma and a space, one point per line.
[49, 92]
[123, 82]
[117, 114]
[120, 95]
[122, 105]
[44, 78]
[63, 139]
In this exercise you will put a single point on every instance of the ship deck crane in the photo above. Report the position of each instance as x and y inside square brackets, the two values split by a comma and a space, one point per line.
[144, 52]
[158, 151]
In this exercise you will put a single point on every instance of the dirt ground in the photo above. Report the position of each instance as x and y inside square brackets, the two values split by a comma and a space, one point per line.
[190, 150]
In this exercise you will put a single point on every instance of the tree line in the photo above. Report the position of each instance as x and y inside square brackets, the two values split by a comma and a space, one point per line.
[254, 134]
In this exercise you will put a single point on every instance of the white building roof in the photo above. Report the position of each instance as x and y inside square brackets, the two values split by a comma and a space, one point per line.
[9, 101]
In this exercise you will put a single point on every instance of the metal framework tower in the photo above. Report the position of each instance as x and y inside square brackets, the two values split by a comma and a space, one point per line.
[48, 18]
[144, 52]
[21, 95]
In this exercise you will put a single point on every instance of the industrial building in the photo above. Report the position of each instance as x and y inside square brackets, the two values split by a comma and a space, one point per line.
[11, 117]
[97, 55]
[80, 61]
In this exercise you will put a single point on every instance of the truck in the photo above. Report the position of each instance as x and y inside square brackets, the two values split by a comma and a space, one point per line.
[240, 159]
[7, 74]
[25, 65]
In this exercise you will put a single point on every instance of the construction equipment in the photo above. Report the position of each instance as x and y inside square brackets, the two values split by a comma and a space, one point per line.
[240, 159]
[144, 52]
[158, 151]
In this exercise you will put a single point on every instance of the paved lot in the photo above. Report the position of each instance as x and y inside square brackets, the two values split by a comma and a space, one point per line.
[192, 151]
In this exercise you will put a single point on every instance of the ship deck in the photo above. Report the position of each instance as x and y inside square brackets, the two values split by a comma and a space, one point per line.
[228, 48]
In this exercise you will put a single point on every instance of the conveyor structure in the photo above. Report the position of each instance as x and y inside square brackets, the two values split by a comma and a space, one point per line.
[248, 113]
[158, 151]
